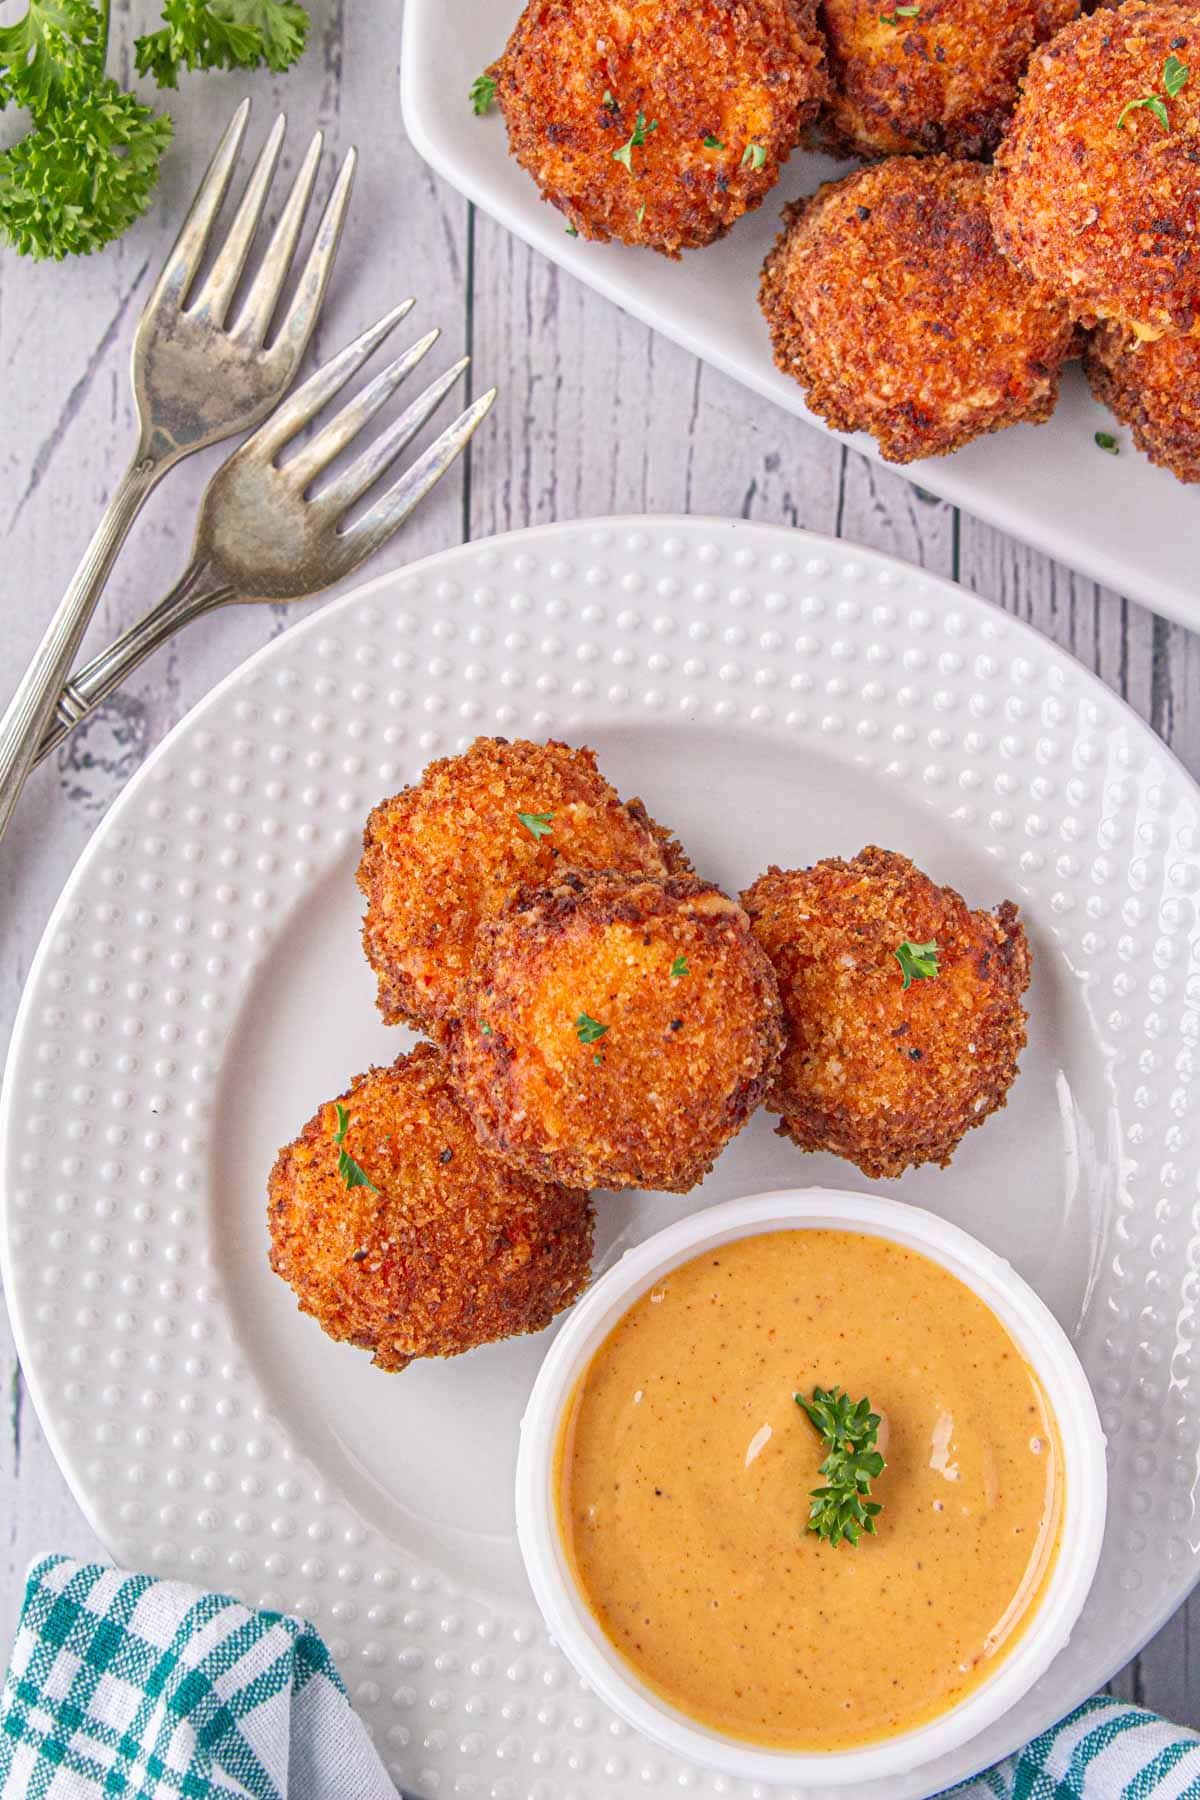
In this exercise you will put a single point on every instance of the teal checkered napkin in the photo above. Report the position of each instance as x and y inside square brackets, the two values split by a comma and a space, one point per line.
[122, 1687]
[126, 1688]
[1104, 1750]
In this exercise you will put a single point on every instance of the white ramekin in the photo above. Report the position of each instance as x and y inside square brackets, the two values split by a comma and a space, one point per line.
[1030, 1323]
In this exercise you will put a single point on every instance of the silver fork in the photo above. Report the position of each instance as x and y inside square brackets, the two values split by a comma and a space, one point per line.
[198, 376]
[262, 536]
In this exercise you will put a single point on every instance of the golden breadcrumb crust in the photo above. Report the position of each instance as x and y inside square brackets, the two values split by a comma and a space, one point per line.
[943, 79]
[686, 1056]
[441, 857]
[453, 1251]
[884, 1076]
[576, 75]
[1154, 388]
[888, 301]
[1109, 215]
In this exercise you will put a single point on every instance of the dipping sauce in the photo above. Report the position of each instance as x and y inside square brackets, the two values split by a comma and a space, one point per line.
[684, 1468]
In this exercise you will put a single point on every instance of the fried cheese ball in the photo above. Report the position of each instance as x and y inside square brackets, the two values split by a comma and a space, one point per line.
[616, 1031]
[441, 857]
[1092, 194]
[446, 1250]
[888, 301]
[884, 1075]
[1154, 388]
[659, 122]
[943, 78]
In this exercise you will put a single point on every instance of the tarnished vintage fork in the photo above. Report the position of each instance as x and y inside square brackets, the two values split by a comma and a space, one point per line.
[262, 536]
[198, 376]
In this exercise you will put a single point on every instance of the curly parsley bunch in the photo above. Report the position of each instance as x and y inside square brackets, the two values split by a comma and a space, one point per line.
[87, 166]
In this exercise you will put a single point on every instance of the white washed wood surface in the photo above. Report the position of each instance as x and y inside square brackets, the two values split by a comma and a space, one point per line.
[595, 415]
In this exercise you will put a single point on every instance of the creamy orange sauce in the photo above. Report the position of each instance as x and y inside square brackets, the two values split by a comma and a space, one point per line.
[684, 1466]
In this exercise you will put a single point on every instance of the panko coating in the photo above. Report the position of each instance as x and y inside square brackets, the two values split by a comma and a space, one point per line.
[943, 78]
[885, 1076]
[446, 1250]
[888, 301]
[616, 1031]
[441, 857]
[659, 122]
[1154, 388]
[1108, 212]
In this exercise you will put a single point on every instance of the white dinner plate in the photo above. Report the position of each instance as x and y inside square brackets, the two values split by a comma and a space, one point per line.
[775, 697]
[1128, 525]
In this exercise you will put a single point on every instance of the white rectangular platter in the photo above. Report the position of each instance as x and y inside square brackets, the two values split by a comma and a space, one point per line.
[1117, 519]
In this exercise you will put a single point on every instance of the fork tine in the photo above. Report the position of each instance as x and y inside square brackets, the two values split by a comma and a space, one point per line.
[320, 388]
[185, 257]
[345, 427]
[215, 296]
[353, 483]
[301, 315]
[373, 530]
[254, 320]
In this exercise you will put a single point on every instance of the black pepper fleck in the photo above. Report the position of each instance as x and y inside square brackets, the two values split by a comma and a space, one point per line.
[446, 1156]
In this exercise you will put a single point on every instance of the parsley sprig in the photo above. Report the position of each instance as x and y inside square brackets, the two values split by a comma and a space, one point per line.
[1174, 80]
[88, 164]
[351, 1172]
[918, 962]
[679, 968]
[538, 825]
[223, 34]
[842, 1509]
[901, 12]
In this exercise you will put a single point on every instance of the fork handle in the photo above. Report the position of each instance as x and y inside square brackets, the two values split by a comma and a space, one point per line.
[197, 591]
[32, 705]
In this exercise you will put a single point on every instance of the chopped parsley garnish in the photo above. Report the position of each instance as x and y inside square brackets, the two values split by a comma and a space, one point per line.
[1107, 441]
[755, 155]
[537, 824]
[1174, 77]
[640, 133]
[918, 962]
[571, 231]
[589, 1030]
[713, 143]
[1153, 104]
[350, 1171]
[641, 212]
[612, 105]
[483, 92]
[679, 967]
[901, 12]
[486, 1030]
[841, 1509]
[1175, 74]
